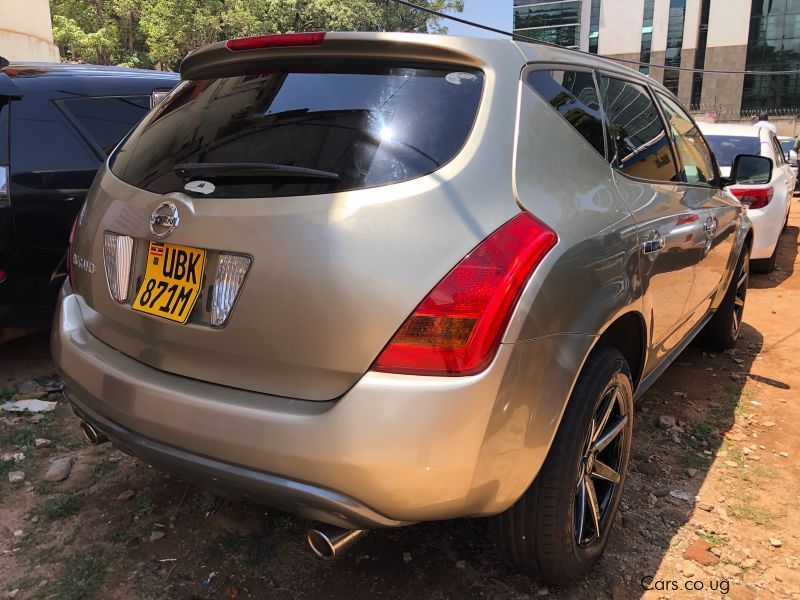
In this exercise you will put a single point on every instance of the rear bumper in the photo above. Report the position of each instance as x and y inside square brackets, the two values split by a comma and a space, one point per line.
[767, 226]
[392, 450]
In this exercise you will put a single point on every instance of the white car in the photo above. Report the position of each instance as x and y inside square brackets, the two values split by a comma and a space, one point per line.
[788, 146]
[768, 204]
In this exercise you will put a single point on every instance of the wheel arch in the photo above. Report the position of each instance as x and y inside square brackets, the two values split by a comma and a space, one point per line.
[628, 334]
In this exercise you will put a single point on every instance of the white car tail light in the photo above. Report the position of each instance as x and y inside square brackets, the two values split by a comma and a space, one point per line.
[117, 255]
[231, 272]
[754, 197]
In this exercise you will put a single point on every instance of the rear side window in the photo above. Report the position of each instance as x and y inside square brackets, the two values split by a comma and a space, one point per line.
[105, 121]
[365, 127]
[639, 146]
[779, 160]
[692, 149]
[574, 95]
[726, 147]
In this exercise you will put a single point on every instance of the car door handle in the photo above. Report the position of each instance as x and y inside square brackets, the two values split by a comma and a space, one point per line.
[653, 245]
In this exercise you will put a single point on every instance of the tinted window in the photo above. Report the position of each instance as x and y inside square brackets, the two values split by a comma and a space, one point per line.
[372, 126]
[726, 147]
[105, 121]
[574, 95]
[779, 159]
[692, 149]
[638, 144]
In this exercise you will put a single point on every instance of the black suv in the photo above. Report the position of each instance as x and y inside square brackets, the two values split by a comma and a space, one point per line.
[58, 123]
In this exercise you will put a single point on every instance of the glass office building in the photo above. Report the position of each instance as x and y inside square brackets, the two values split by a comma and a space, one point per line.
[594, 26]
[555, 22]
[773, 45]
[647, 35]
[672, 58]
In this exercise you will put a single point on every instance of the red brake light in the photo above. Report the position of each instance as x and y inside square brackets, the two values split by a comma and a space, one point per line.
[282, 40]
[457, 328]
[754, 197]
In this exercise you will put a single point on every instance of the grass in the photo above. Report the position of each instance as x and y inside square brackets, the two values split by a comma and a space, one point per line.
[6, 392]
[43, 488]
[22, 583]
[57, 507]
[714, 540]
[746, 510]
[82, 575]
[120, 537]
[25, 436]
[103, 468]
[142, 506]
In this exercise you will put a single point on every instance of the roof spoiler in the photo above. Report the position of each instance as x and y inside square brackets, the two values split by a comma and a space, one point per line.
[221, 58]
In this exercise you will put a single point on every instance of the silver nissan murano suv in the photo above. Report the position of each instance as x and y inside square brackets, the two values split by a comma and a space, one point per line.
[380, 278]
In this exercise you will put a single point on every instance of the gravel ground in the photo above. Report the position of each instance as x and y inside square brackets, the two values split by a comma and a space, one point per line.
[711, 507]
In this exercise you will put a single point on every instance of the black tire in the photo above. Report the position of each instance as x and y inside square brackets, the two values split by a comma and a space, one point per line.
[722, 331]
[539, 533]
[765, 265]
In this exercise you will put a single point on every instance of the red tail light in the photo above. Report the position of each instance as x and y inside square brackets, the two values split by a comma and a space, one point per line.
[754, 197]
[69, 247]
[276, 41]
[457, 328]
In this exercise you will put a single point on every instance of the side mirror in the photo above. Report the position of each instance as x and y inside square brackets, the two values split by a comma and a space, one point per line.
[750, 169]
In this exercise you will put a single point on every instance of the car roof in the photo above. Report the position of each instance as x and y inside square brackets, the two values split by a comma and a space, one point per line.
[83, 79]
[732, 129]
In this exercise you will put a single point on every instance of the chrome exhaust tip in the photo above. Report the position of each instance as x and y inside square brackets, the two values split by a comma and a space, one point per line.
[91, 434]
[329, 542]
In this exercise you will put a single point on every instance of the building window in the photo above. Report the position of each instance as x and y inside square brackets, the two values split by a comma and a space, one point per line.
[594, 26]
[700, 57]
[647, 34]
[554, 22]
[677, 13]
[774, 45]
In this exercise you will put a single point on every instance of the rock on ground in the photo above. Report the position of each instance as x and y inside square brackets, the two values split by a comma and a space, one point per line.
[59, 469]
[16, 476]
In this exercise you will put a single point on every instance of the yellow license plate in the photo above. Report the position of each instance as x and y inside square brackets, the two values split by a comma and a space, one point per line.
[171, 282]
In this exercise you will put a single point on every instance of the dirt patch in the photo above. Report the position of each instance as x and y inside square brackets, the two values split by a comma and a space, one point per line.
[712, 505]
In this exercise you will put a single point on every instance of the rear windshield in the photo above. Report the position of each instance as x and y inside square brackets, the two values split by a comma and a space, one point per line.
[726, 147]
[363, 128]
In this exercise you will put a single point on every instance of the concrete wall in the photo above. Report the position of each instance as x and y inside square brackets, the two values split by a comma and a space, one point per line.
[620, 27]
[26, 31]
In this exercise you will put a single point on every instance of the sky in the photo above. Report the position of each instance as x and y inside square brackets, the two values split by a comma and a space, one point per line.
[495, 13]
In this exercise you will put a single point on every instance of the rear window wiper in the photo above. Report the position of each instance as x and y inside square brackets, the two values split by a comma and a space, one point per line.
[210, 170]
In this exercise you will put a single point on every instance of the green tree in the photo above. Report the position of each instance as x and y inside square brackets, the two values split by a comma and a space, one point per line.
[161, 32]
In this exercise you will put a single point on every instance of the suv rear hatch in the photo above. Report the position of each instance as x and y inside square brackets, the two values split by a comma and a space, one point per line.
[309, 175]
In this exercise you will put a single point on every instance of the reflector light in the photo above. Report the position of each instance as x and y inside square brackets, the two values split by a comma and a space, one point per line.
[231, 272]
[754, 197]
[117, 254]
[457, 328]
[283, 40]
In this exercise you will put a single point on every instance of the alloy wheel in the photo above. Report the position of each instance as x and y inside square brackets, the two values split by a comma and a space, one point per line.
[599, 473]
